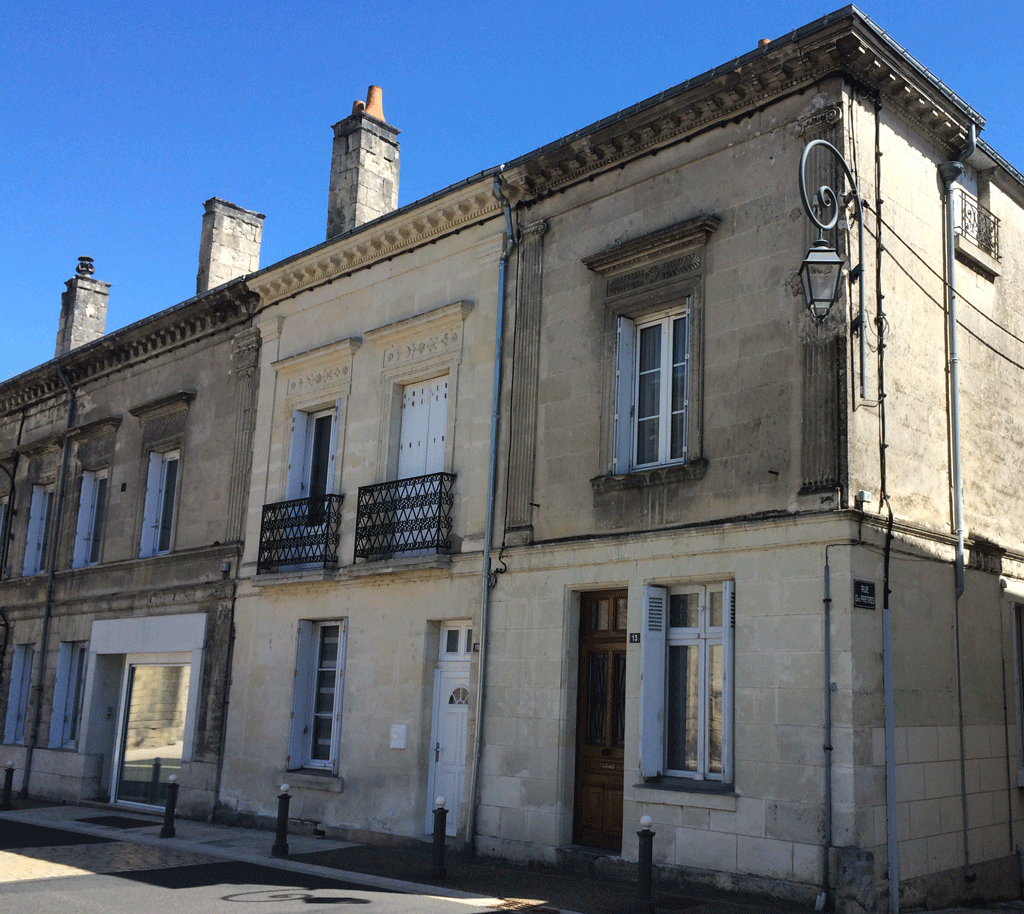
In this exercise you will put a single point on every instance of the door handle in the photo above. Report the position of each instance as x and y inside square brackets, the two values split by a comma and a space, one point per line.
[437, 752]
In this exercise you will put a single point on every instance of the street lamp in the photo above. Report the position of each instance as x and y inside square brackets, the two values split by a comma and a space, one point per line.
[822, 269]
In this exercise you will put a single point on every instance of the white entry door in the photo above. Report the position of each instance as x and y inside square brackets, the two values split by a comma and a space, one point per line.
[450, 725]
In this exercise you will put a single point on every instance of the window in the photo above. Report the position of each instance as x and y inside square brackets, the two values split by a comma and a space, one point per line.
[21, 686]
[424, 425]
[67, 694]
[91, 506]
[311, 456]
[40, 519]
[316, 700]
[652, 396]
[687, 686]
[158, 514]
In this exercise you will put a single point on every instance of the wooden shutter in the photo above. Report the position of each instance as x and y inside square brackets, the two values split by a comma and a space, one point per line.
[652, 681]
[36, 530]
[151, 508]
[295, 487]
[728, 677]
[65, 652]
[622, 444]
[302, 693]
[83, 532]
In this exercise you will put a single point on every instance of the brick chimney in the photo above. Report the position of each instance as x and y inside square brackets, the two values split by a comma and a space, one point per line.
[229, 246]
[364, 167]
[83, 309]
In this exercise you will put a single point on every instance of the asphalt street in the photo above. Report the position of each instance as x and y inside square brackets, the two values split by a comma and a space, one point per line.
[46, 870]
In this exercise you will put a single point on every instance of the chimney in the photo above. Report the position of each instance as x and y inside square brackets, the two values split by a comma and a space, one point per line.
[364, 167]
[83, 309]
[229, 246]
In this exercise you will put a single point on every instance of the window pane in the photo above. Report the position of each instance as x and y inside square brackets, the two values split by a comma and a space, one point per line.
[619, 699]
[328, 647]
[77, 678]
[715, 709]
[320, 457]
[683, 610]
[715, 608]
[324, 701]
[620, 613]
[677, 445]
[648, 406]
[452, 641]
[167, 508]
[682, 725]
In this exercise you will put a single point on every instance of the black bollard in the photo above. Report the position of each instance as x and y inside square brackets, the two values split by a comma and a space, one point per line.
[280, 848]
[5, 799]
[440, 873]
[645, 868]
[172, 800]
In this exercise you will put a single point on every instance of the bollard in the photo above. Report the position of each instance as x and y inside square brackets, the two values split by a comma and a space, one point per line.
[172, 800]
[5, 799]
[645, 867]
[440, 873]
[280, 848]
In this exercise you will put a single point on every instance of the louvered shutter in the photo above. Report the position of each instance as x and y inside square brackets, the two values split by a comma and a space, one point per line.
[652, 681]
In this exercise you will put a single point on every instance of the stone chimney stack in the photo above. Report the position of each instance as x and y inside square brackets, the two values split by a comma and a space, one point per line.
[83, 309]
[229, 246]
[364, 167]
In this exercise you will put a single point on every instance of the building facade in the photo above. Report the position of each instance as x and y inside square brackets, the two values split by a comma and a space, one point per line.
[125, 468]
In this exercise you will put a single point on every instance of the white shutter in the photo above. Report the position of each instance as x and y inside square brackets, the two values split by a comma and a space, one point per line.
[332, 463]
[295, 487]
[36, 529]
[60, 694]
[302, 692]
[151, 508]
[654, 626]
[728, 677]
[622, 444]
[17, 703]
[437, 425]
[412, 453]
[86, 513]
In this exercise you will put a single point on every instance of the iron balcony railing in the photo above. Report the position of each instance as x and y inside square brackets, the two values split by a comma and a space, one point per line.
[978, 224]
[301, 532]
[405, 515]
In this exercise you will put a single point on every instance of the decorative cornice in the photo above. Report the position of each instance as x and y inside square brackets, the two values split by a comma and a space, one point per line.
[106, 425]
[179, 401]
[656, 247]
[846, 44]
[379, 240]
[184, 324]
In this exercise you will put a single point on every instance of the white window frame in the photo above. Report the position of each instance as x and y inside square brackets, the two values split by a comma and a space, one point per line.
[40, 523]
[301, 449]
[91, 515]
[301, 732]
[68, 692]
[656, 639]
[18, 696]
[160, 511]
[627, 386]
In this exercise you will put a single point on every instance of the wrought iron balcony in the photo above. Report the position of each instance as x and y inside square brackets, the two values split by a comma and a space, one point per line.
[405, 515]
[978, 224]
[303, 532]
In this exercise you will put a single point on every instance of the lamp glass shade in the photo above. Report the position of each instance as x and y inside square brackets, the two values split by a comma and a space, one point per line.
[821, 272]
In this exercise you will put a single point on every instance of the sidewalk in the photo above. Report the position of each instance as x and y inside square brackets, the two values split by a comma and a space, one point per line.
[481, 881]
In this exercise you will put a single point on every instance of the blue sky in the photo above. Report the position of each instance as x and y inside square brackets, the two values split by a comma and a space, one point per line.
[122, 118]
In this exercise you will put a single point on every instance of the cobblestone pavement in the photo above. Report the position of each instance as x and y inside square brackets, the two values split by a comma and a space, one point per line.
[86, 859]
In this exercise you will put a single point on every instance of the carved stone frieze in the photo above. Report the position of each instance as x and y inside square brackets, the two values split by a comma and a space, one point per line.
[317, 380]
[433, 345]
[828, 116]
[679, 266]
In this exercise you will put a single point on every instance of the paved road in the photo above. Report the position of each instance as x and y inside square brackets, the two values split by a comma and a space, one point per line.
[46, 870]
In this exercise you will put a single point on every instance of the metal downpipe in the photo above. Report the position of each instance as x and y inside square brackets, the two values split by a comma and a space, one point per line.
[485, 577]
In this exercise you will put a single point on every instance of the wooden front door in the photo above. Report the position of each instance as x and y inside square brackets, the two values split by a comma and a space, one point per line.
[600, 720]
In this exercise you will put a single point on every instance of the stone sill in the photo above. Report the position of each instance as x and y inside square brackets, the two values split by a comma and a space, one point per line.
[974, 256]
[686, 792]
[431, 562]
[656, 476]
[310, 780]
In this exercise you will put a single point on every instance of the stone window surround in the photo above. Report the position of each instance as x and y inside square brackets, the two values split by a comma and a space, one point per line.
[418, 348]
[643, 277]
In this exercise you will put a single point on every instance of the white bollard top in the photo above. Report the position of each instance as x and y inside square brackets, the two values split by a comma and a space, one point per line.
[10, 764]
[285, 788]
[645, 821]
[173, 779]
[440, 802]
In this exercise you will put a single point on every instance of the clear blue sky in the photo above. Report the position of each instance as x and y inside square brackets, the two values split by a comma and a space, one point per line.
[123, 117]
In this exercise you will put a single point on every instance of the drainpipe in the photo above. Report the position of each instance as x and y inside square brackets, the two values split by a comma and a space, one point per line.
[822, 898]
[485, 578]
[51, 568]
[949, 172]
